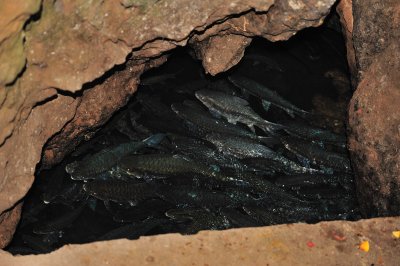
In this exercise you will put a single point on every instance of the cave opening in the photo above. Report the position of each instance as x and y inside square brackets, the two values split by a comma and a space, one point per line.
[261, 144]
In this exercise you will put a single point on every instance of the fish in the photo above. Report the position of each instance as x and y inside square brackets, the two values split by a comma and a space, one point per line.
[317, 155]
[309, 180]
[201, 219]
[59, 223]
[120, 191]
[202, 123]
[191, 196]
[263, 216]
[235, 109]
[304, 131]
[277, 165]
[203, 151]
[266, 94]
[238, 219]
[133, 230]
[164, 165]
[54, 184]
[104, 160]
[147, 208]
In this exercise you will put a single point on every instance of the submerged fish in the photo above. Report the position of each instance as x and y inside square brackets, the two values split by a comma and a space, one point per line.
[134, 230]
[102, 161]
[317, 155]
[119, 191]
[234, 109]
[263, 216]
[308, 180]
[313, 133]
[61, 222]
[239, 219]
[202, 123]
[191, 196]
[244, 148]
[201, 219]
[266, 94]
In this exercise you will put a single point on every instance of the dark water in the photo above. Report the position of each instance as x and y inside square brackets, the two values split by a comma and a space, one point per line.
[309, 71]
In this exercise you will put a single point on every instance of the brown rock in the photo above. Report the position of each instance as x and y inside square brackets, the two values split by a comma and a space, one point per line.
[374, 119]
[327, 243]
[8, 223]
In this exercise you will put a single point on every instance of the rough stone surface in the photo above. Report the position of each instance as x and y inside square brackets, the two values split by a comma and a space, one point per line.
[9, 221]
[13, 15]
[327, 243]
[376, 26]
[374, 119]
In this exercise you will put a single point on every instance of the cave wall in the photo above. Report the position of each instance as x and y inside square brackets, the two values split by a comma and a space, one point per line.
[62, 92]
[372, 31]
[69, 45]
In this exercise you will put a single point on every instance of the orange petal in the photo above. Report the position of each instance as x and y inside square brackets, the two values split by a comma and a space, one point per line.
[364, 246]
[396, 234]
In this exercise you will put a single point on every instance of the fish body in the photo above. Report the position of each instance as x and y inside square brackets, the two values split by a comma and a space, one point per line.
[202, 123]
[133, 230]
[263, 216]
[119, 191]
[308, 180]
[163, 165]
[239, 219]
[191, 196]
[317, 155]
[315, 134]
[234, 109]
[201, 219]
[264, 93]
[104, 160]
[61, 222]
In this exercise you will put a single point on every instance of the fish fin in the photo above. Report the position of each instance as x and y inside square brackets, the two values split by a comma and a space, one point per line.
[107, 205]
[154, 140]
[215, 113]
[252, 128]
[268, 141]
[270, 128]
[266, 105]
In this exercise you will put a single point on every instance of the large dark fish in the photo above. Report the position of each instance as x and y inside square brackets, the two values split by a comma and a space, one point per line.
[266, 94]
[243, 148]
[313, 133]
[234, 109]
[239, 219]
[308, 180]
[104, 160]
[317, 155]
[202, 123]
[133, 231]
[163, 165]
[61, 222]
[191, 196]
[201, 219]
[120, 191]
[263, 216]
[203, 151]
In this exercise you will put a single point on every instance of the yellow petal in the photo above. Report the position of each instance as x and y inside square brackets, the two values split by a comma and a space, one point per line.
[364, 246]
[396, 234]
